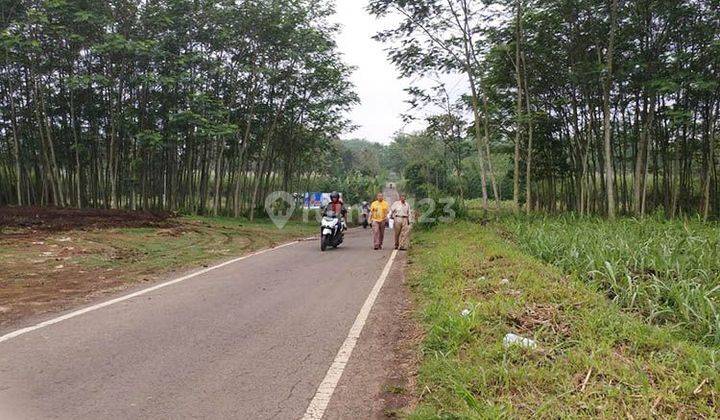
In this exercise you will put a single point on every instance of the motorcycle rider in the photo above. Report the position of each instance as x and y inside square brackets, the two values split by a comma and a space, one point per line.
[337, 206]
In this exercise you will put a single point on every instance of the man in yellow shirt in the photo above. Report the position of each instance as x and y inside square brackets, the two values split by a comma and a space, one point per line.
[379, 210]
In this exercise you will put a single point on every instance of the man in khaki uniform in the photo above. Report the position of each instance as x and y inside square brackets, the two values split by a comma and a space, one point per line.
[400, 213]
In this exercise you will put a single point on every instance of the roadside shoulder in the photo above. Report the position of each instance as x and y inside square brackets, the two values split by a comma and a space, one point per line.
[379, 380]
[591, 359]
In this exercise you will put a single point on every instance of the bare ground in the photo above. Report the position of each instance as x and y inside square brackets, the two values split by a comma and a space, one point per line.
[55, 259]
[20, 220]
[380, 379]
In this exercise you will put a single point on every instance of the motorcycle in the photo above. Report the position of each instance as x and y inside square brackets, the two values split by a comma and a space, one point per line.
[331, 230]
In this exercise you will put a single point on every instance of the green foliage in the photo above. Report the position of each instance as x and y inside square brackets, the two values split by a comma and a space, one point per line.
[363, 156]
[657, 84]
[593, 360]
[433, 207]
[668, 271]
[354, 186]
[427, 163]
[178, 104]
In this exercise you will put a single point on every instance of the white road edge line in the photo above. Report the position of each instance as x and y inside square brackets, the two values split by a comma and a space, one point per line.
[320, 401]
[79, 312]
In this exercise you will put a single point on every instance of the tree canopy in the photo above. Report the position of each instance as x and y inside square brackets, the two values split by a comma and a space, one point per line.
[612, 106]
[175, 104]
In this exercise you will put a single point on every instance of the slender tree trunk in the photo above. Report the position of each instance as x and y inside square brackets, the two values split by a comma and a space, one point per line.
[218, 177]
[710, 165]
[111, 166]
[268, 142]
[478, 138]
[54, 169]
[16, 148]
[609, 171]
[640, 160]
[241, 165]
[518, 116]
[76, 138]
[643, 201]
[469, 70]
[46, 172]
[256, 187]
[528, 160]
[486, 119]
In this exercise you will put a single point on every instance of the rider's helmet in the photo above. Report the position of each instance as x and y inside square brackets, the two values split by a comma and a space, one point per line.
[334, 196]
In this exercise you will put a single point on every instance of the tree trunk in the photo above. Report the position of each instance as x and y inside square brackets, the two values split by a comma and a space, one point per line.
[607, 85]
[47, 172]
[641, 159]
[76, 138]
[528, 160]
[518, 116]
[486, 118]
[218, 176]
[16, 148]
[710, 165]
[478, 136]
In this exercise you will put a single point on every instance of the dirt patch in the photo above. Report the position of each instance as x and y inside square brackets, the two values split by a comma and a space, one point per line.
[47, 266]
[54, 291]
[14, 220]
[47, 271]
[380, 380]
[539, 317]
[52, 258]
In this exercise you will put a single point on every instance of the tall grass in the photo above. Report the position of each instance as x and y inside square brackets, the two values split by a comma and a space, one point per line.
[668, 271]
[594, 360]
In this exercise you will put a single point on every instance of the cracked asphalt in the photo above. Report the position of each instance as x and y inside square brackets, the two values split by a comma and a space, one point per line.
[252, 339]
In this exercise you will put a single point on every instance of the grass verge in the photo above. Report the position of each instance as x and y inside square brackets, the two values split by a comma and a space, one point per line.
[592, 360]
[668, 271]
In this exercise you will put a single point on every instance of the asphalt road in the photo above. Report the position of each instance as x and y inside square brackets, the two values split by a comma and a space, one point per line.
[252, 339]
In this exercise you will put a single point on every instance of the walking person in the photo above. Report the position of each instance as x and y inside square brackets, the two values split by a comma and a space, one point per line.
[365, 214]
[400, 213]
[379, 210]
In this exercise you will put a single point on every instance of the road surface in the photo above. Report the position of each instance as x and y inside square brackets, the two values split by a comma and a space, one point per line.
[251, 339]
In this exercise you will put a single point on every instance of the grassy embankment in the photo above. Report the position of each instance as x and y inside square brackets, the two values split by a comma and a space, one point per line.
[44, 271]
[594, 359]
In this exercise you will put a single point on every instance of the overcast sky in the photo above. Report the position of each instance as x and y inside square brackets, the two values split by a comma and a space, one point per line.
[375, 79]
